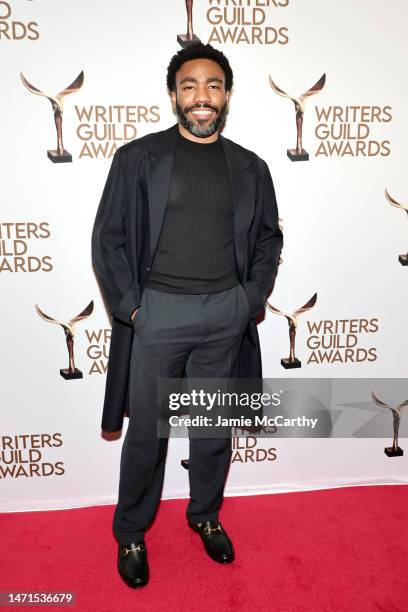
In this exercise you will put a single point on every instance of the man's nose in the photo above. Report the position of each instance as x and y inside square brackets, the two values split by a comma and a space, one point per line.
[201, 95]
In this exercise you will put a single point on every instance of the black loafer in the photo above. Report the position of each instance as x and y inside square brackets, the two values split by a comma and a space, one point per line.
[216, 542]
[132, 564]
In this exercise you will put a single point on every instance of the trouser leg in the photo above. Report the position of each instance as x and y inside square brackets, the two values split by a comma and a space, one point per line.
[144, 453]
[215, 357]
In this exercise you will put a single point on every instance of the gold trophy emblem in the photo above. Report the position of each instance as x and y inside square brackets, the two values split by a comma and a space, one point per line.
[403, 259]
[71, 371]
[299, 154]
[292, 361]
[394, 450]
[58, 155]
[188, 39]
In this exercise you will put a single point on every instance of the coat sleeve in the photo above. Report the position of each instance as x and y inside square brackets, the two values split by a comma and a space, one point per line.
[267, 250]
[109, 259]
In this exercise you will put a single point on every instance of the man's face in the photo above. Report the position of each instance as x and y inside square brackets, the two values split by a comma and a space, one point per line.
[200, 99]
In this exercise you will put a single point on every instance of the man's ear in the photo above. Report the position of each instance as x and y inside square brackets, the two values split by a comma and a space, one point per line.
[173, 97]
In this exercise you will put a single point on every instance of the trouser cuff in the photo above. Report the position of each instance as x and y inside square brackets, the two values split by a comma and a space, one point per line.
[200, 518]
[127, 538]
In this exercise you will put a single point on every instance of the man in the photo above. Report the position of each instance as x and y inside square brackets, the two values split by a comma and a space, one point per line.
[186, 245]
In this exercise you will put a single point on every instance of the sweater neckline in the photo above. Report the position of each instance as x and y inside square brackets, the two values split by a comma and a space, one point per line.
[197, 147]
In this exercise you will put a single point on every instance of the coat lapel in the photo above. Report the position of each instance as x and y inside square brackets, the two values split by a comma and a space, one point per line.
[162, 151]
[243, 185]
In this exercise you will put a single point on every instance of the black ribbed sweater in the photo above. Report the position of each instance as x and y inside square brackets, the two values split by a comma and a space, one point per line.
[195, 252]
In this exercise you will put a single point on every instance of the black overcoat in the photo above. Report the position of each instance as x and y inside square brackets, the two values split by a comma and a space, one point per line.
[125, 237]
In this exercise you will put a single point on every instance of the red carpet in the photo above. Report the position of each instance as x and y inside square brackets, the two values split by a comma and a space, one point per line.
[331, 550]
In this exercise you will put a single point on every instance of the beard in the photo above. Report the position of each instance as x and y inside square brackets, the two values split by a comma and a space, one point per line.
[202, 129]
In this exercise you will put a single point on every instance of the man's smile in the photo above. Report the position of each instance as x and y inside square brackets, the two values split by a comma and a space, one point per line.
[202, 113]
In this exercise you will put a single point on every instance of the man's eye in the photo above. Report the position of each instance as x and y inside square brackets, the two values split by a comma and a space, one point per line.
[216, 86]
[188, 87]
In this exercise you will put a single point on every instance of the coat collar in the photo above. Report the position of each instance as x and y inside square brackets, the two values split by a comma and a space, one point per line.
[162, 149]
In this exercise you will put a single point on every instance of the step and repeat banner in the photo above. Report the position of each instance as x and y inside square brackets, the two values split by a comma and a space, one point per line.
[319, 94]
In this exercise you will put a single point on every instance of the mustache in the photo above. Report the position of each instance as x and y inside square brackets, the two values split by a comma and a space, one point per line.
[190, 108]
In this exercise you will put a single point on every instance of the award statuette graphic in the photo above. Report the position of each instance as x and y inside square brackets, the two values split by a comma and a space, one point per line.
[188, 39]
[394, 450]
[299, 154]
[71, 371]
[58, 155]
[292, 361]
[403, 259]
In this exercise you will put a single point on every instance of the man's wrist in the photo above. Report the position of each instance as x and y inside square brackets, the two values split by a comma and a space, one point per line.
[132, 316]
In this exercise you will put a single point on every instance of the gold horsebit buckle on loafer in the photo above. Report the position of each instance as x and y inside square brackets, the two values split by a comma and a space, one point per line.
[125, 551]
[208, 530]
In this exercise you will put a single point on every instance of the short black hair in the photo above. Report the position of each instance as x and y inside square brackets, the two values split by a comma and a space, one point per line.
[198, 51]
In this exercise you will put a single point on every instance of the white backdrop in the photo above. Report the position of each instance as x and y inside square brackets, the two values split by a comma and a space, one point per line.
[342, 238]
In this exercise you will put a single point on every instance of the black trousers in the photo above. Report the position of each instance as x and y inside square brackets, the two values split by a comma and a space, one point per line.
[176, 334]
